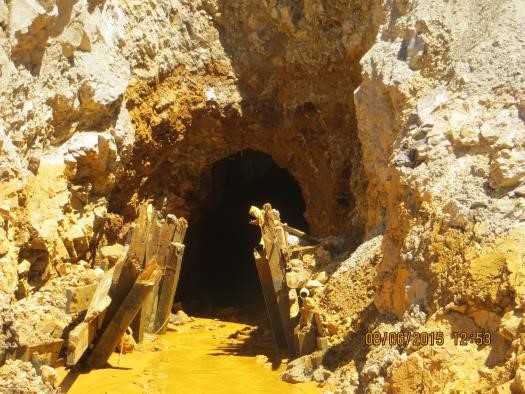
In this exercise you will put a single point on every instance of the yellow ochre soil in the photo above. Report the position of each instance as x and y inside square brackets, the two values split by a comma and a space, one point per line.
[202, 357]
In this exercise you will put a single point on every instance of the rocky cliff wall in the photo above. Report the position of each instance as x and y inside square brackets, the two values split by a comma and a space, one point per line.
[401, 118]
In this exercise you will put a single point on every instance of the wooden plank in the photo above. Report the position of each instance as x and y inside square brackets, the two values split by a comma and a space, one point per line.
[300, 234]
[49, 351]
[276, 250]
[297, 251]
[126, 274]
[80, 338]
[168, 286]
[180, 230]
[153, 236]
[319, 324]
[122, 319]
[79, 298]
[306, 336]
[322, 344]
[281, 293]
[138, 325]
[101, 300]
[139, 237]
[160, 243]
[265, 278]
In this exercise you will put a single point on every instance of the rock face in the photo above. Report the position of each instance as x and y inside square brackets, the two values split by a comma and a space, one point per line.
[403, 122]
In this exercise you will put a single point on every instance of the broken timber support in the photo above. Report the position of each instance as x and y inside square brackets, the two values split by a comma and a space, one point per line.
[81, 336]
[165, 244]
[168, 286]
[129, 287]
[275, 249]
[265, 277]
[125, 314]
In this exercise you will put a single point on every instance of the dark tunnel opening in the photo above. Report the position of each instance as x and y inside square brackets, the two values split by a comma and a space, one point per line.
[218, 269]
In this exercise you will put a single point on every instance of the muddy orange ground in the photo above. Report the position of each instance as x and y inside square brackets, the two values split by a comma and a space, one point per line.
[198, 359]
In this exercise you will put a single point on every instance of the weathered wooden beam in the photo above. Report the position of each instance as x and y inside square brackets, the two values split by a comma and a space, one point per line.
[297, 251]
[101, 300]
[79, 298]
[83, 334]
[306, 337]
[265, 278]
[281, 294]
[153, 236]
[139, 237]
[127, 273]
[168, 286]
[276, 251]
[300, 234]
[138, 325]
[121, 320]
[180, 230]
[52, 349]
[80, 338]
[158, 245]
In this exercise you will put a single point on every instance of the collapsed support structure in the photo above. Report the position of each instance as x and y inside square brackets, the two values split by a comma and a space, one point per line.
[138, 291]
[298, 328]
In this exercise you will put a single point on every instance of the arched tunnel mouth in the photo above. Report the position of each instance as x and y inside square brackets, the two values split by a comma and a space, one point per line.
[218, 269]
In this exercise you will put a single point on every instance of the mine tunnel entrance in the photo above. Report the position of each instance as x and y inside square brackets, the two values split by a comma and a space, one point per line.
[219, 269]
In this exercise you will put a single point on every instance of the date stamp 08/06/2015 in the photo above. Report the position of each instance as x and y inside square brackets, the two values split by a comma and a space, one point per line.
[426, 338]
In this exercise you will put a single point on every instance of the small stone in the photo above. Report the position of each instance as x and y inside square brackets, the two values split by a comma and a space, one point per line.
[520, 191]
[179, 318]
[48, 375]
[309, 303]
[5, 209]
[518, 384]
[322, 277]
[295, 264]
[298, 371]
[509, 325]
[294, 303]
[261, 359]
[172, 327]
[294, 280]
[313, 283]
[488, 133]
[112, 253]
[456, 308]
[332, 328]
[320, 375]
[24, 268]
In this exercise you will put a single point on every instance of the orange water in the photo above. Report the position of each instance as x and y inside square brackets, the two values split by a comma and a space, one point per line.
[194, 360]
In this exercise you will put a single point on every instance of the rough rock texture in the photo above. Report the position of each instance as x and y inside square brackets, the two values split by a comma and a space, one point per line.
[401, 120]
[18, 377]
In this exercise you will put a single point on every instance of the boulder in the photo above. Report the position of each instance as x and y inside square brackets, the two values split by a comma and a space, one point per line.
[507, 168]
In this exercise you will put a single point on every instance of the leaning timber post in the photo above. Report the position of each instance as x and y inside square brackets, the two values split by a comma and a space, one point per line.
[160, 234]
[118, 325]
[168, 286]
[276, 251]
[265, 278]
[141, 323]
[127, 273]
